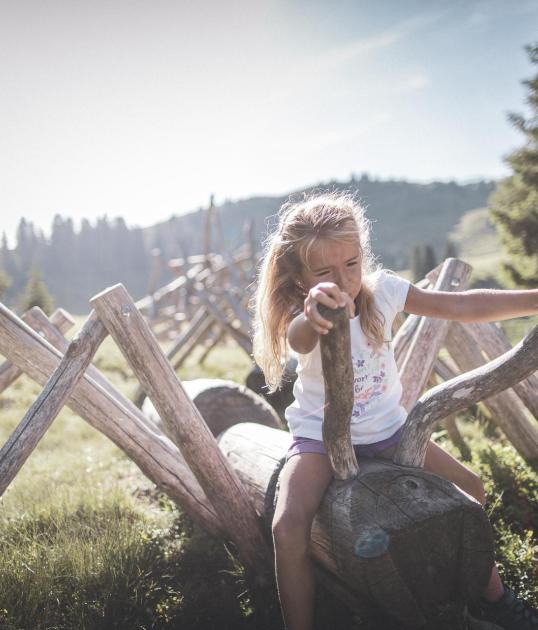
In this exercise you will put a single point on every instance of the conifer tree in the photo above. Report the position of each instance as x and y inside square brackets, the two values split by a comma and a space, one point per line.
[5, 282]
[36, 294]
[514, 205]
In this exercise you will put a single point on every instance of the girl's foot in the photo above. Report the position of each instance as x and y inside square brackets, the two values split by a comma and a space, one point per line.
[509, 612]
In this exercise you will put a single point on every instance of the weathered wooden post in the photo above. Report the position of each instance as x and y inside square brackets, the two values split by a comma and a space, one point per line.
[154, 453]
[60, 321]
[51, 400]
[226, 493]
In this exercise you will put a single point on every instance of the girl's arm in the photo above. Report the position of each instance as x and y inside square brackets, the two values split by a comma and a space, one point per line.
[304, 329]
[476, 305]
[301, 336]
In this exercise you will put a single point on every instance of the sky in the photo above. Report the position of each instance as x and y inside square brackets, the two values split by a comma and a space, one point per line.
[142, 109]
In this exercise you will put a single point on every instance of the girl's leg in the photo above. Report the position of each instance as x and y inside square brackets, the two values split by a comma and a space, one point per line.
[303, 482]
[441, 463]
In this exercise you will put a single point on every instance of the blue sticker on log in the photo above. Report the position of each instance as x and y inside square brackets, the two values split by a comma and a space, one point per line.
[372, 542]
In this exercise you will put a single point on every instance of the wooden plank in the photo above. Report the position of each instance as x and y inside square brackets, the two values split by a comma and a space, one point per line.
[155, 454]
[198, 446]
[61, 322]
[430, 335]
[50, 401]
[335, 348]
[463, 391]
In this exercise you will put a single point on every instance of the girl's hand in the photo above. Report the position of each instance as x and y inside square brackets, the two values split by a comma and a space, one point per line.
[332, 296]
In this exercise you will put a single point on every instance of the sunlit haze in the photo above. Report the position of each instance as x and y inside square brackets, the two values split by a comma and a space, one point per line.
[143, 109]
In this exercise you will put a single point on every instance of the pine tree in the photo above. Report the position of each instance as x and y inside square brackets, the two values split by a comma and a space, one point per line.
[451, 251]
[514, 205]
[417, 270]
[429, 261]
[36, 294]
[5, 281]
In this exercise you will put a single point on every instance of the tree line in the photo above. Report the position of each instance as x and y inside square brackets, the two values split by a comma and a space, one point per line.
[74, 265]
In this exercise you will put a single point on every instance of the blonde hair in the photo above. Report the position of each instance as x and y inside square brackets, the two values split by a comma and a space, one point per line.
[280, 295]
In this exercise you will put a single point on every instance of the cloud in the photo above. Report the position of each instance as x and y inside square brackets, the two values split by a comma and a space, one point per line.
[351, 51]
[335, 138]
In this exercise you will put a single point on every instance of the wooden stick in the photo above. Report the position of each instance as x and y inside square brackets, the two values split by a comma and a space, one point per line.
[214, 342]
[145, 304]
[337, 369]
[430, 335]
[50, 401]
[157, 457]
[463, 391]
[243, 340]
[220, 483]
[60, 320]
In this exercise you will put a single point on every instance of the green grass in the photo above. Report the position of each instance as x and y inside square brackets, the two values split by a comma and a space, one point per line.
[87, 542]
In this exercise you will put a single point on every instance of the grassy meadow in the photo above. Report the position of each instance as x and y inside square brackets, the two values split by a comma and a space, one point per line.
[87, 542]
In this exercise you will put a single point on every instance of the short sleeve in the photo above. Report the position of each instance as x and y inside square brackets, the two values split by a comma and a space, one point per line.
[391, 292]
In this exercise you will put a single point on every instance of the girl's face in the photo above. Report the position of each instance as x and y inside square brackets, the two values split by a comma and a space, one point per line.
[335, 261]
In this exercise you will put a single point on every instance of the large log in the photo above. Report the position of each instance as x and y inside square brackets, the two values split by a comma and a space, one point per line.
[222, 404]
[403, 539]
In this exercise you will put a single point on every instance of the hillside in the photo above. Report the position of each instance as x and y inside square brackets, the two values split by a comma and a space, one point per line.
[77, 264]
[403, 214]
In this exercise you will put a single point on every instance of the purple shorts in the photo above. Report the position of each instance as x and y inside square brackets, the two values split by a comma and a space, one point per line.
[308, 445]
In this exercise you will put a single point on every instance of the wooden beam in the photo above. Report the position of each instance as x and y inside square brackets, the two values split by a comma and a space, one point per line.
[493, 341]
[61, 322]
[155, 454]
[37, 320]
[505, 407]
[430, 335]
[50, 401]
[463, 391]
[222, 486]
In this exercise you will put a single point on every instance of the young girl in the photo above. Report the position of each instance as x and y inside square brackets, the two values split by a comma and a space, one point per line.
[320, 254]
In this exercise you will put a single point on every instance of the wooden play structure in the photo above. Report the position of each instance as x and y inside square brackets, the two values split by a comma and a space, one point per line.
[387, 534]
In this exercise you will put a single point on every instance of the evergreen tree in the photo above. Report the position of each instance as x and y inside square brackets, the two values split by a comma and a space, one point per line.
[428, 259]
[416, 264]
[36, 294]
[451, 250]
[5, 282]
[514, 205]
[422, 261]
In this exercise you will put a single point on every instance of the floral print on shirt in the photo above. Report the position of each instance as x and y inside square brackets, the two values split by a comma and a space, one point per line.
[369, 379]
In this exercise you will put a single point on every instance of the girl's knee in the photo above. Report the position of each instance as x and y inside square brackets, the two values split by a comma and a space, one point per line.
[479, 492]
[291, 531]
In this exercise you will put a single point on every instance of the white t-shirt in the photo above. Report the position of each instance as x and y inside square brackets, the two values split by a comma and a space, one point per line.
[377, 412]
